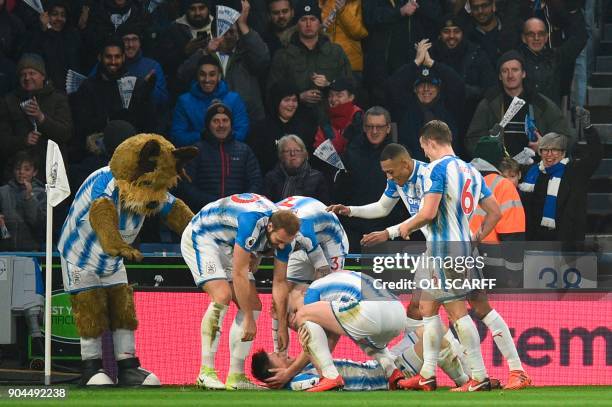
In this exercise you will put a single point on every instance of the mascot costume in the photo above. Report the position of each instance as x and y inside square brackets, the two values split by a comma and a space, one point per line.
[104, 219]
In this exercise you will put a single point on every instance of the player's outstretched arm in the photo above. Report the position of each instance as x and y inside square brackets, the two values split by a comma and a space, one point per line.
[241, 262]
[280, 294]
[375, 210]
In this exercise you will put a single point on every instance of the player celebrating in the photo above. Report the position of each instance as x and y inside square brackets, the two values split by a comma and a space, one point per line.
[447, 225]
[405, 180]
[323, 246]
[220, 246]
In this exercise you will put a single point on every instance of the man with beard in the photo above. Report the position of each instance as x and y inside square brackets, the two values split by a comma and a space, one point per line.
[281, 16]
[98, 99]
[439, 93]
[186, 35]
[467, 59]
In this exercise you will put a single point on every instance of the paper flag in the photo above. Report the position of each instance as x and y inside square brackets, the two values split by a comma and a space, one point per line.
[36, 5]
[226, 17]
[73, 81]
[126, 88]
[515, 106]
[327, 152]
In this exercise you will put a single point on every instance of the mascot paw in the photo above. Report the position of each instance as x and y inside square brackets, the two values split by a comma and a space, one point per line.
[127, 252]
[132, 375]
[93, 374]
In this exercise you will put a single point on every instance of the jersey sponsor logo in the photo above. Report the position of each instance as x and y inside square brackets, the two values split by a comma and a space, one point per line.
[211, 268]
[250, 242]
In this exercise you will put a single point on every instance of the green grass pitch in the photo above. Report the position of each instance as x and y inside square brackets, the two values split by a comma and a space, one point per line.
[191, 396]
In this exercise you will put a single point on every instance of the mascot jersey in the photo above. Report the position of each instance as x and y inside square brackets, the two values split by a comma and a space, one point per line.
[78, 243]
[238, 219]
[317, 226]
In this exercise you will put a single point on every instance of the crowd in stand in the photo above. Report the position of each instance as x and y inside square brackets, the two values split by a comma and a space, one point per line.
[287, 76]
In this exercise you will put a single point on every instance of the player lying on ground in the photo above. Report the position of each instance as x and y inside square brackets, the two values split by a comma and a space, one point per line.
[405, 181]
[220, 246]
[320, 247]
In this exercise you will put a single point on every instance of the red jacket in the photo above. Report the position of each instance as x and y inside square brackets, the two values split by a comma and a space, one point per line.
[340, 117]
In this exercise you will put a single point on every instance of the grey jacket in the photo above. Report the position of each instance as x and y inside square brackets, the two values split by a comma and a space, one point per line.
[24, 219]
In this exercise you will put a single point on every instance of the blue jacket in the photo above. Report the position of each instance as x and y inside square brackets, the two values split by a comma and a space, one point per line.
[188, 120]
[140, 67]
[219, 170]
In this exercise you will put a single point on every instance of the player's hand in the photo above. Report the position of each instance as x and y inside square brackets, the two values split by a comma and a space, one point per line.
[249, 329]
[405, 231]
[374, 238]
[304, 337]
[280, 378]
[283, 339]
[339, 209]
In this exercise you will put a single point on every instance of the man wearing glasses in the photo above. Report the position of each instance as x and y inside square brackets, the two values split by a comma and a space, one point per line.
[544, 65]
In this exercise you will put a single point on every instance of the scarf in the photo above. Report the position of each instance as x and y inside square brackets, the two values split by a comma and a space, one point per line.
[294, 179]
[550, 203]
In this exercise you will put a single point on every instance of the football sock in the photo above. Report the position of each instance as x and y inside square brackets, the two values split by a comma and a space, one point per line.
[409, 362]
[468, 335]
[123, 343]
[318, 348]
[239, 350]
[458, 350]
[432, 340]
[91, 348]
[413, 324]
[503, 339]
[450, 364]
[408, 340]
[275, 334]
[211, 331]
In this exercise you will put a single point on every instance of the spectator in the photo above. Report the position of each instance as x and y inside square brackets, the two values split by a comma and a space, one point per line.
[544, 65]
[279, 28]
[555, 190]
[45, 113]
[293, 174]
[243, 57]
[343, 23]
[185, 36]
[99, 101]
[467, 59]
[311, 60]
[438, 93]
[364, 182]
[555, 15]
[540, 110]
[23, 206]
[286, 117]
[140, 66]
[188, 120]
[495, 33]
[224, 166]
[393, 26]
[510, 169]
[12, 33]
[344, 115]
[59, 45]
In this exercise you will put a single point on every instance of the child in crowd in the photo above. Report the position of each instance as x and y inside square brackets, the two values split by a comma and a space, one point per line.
[510, 169]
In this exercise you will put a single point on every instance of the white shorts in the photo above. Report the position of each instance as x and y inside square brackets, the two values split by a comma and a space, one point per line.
[78, 279]
[211, 261]
[300, 269]
[370, 324]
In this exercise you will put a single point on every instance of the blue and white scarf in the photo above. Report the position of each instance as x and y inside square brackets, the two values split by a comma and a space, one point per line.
[550, 203]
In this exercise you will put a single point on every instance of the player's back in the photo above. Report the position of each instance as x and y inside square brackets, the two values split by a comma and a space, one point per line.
[460, 185]
[220, 220]
[316, 223]
[345, 286]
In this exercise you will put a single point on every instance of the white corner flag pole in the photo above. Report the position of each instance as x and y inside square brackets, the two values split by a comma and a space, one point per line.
[57, 189]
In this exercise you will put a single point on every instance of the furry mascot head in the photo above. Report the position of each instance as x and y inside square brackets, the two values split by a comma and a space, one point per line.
[105, 218]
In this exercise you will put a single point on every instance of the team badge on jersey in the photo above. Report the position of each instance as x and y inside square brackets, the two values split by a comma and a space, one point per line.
[250, 242]
[211, 268]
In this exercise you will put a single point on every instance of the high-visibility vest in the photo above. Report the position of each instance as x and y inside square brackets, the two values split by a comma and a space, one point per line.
[509, 201]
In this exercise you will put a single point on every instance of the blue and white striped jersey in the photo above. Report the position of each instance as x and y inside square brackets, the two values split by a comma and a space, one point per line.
[317, 226]
[358, 376]
[462, 187]
[411, 192]
[238, 219]
[78, 243]
[346, 286]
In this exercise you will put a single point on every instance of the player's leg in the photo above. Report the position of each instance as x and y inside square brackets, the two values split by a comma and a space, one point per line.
[314, 320]
[203, 259]
[503, 339]
[469, 338]
[239, 350]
